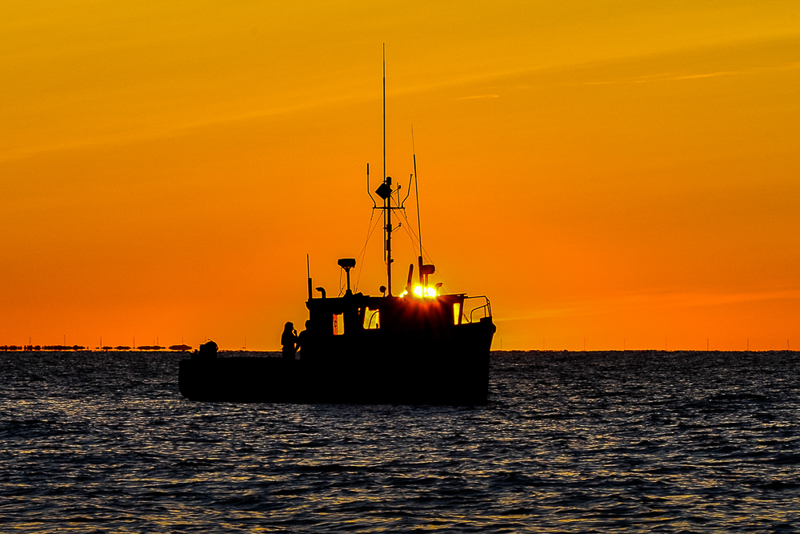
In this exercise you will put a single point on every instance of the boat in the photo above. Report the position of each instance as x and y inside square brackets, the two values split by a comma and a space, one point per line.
[422, 346]
[416, 348]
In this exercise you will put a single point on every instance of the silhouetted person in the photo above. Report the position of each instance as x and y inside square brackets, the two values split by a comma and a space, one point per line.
[302, 339]
[289, 341]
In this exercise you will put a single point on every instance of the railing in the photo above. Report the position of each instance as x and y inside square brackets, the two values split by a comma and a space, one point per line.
[486, 306]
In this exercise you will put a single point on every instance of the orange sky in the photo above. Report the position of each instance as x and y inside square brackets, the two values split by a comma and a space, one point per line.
[623, 172]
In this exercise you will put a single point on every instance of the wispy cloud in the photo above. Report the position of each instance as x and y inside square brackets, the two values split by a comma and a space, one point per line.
[719, 299]
[657, 300]
[707, 75]
[477, 97]
[675, 76]
[544, 314]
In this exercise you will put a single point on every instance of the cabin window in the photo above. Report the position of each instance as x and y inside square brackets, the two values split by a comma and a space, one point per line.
[338, 324]
[372, 319]
[457, 313]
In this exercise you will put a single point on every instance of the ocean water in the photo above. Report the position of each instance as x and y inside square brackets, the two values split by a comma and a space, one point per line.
[570, 442]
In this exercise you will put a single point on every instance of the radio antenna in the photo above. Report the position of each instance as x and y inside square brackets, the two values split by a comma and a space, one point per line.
[416, 187]
[384, 112]
[385, 192]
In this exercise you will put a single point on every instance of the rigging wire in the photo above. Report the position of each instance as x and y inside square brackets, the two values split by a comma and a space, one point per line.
[410, 231]
[371, 227]
[416, 241]
[426, 256]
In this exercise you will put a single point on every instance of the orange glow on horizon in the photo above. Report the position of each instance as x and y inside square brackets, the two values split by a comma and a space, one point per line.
[611, 176]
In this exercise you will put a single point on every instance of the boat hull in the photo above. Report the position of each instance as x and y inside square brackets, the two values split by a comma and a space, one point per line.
[405, 370]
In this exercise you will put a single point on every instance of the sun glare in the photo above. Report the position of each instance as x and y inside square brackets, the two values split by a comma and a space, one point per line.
[426, 292]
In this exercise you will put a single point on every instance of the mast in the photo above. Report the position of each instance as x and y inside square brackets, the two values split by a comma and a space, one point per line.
[387, 212]
[387, 192]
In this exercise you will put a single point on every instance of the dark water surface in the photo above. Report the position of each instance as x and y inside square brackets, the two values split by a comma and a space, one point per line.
[570, 442]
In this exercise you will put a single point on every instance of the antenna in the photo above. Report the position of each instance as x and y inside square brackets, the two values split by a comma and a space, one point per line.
[384, 118]
[420, 261]
[424, 270]
[416, 186]
[385, 192]
[388, 182]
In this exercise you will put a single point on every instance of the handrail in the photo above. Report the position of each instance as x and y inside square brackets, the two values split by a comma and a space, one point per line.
[487, 307]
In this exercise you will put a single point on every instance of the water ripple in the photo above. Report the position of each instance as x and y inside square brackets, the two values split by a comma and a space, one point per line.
[570, 442]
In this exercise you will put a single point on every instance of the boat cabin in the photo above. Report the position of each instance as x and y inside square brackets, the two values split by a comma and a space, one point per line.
[356, 313]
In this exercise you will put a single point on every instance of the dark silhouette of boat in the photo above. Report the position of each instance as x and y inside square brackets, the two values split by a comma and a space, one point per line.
[419, 347]
[409, 349]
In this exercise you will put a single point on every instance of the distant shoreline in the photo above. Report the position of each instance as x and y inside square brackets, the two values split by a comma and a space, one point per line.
[223, 352]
